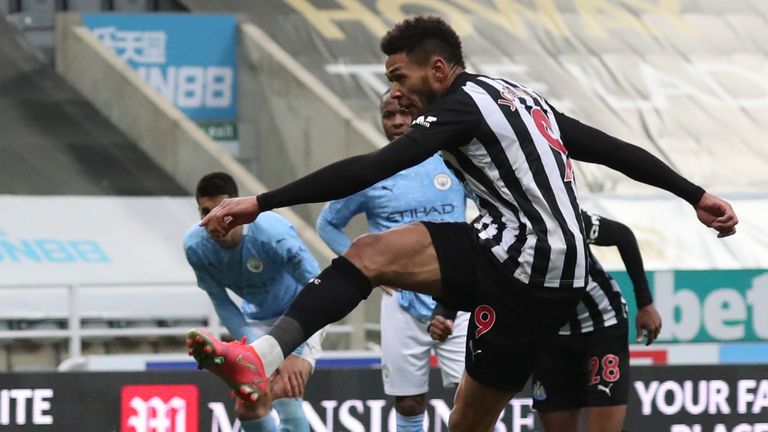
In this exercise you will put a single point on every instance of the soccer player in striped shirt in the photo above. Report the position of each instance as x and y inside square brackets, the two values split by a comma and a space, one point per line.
[586, 365]
[521, 267]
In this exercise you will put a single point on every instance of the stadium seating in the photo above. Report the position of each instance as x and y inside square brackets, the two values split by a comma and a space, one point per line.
[684, 80]
[56, 143]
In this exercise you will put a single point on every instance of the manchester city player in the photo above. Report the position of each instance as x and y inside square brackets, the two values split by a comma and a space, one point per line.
[426, 192]
[266, 264]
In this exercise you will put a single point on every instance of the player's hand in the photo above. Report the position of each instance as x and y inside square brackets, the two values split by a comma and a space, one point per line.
[440, 328]
[716, 213]
[387, 290]
[290, 377]
[230, 213]
[253, 410]
[648, 321]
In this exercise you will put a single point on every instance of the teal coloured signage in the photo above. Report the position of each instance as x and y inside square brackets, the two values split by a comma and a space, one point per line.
[705, 305]
[50, 250]
[189, 59]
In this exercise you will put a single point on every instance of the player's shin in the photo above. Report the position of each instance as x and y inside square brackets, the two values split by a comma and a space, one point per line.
[264, 424]
[410, 423]
[291, 412]
[329, 297]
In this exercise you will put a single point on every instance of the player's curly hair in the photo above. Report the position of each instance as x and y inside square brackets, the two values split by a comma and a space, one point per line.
[422, 37]
[216, 184]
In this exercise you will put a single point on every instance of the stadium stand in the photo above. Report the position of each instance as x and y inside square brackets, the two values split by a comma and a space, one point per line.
[55, 142]
[685, 80]
[58, 144]
[35, 18]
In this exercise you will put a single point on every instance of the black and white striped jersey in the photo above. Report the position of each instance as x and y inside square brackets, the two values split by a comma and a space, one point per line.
[603, 304]
[511, 148]
[502, 140]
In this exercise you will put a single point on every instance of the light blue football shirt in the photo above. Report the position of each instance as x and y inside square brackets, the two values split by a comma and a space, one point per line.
[267, 269]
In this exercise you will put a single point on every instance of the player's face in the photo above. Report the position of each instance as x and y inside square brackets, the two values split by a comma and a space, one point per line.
[204, 206]
[394, 119]
[413, 85]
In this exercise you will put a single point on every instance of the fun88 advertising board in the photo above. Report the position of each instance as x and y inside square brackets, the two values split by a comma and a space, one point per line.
[191, 60]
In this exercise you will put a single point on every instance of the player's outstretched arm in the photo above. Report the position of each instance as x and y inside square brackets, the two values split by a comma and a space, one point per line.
[717, 213]
[348, 176]
[335, 181]
[588, 144]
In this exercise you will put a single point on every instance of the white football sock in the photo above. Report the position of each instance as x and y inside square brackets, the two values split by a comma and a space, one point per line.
[270, 353]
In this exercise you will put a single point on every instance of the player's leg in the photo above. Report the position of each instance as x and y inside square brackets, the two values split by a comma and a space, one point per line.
[560, 421]
[410, 412]
[609, 380]
[403, 257]
[291, 413]
[606, 419]
[494, 371]
[255, 416]
[405, 347]
[504, 335]
[476, 406]
[491, 376]
[559, 381]
[451, 352]
[291, 409]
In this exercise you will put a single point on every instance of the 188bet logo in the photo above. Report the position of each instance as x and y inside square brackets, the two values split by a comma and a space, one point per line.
[159, 408]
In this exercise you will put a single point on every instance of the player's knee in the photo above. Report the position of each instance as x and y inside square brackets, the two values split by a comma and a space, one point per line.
[410, 405]
[464, 420]
[458, 422]
[366, 253]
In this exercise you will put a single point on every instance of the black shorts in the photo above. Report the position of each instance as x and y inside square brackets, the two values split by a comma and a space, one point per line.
[510, 319]
[583, 370]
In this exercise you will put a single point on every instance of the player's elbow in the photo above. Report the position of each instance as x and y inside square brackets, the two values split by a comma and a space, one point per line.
[322, 226]
[625, 236]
